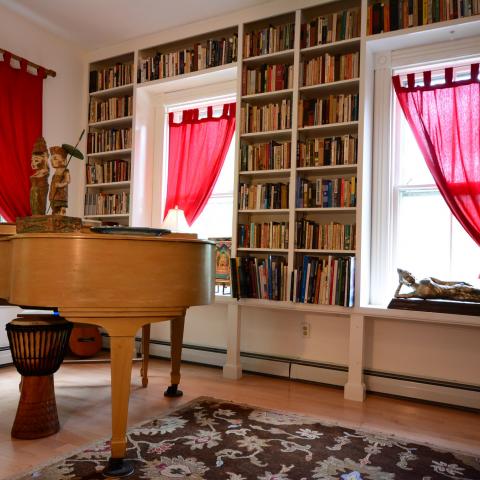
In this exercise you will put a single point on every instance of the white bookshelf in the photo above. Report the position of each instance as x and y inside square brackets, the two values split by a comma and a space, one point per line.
[105, 115]
[297, 12]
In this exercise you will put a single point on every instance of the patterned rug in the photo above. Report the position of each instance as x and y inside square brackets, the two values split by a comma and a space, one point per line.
[215, 439]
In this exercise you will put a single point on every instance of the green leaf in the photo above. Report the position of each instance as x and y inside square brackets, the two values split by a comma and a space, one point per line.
[71, 150]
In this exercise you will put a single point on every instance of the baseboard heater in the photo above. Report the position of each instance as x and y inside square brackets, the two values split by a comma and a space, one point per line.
[427, 389]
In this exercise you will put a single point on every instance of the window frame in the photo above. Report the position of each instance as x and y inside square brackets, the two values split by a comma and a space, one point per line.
[384, 194]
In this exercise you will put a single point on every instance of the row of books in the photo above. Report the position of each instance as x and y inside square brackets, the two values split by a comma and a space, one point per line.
[330, 28]
[101, 203]
[110, 171]
[265, 118]
[265, 156]
[263, 235]
[264, 278]
[324, 281]
[267, 78]
[388, 15]
[109, 140]
[268, 40]
[115, 107]
[332, 236]
[111, 77]
[211, 53]
[319, 152]
[330, 68]
[332, 109]
[326, 193]
[263, 196]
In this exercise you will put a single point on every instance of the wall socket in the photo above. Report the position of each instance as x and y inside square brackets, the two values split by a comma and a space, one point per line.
[305, 329]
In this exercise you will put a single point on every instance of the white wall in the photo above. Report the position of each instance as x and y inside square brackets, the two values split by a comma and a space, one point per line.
[64, 109]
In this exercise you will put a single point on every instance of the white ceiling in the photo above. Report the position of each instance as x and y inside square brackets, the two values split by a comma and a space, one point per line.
[97, 23]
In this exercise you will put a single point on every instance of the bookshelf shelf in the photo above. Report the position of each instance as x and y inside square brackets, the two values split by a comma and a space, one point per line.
[113, 153]
[275, 95]
[324, 252]
[332, 47]
[109, 185]
[329, 129]
[284, 56]
[327, 209]
[266, 250]
[115, 122]
[271, 135]
[272, 211]
[185, 76]
[329, 169]
[272, 173]
[325, 88]
[110, 92]
[113, 215]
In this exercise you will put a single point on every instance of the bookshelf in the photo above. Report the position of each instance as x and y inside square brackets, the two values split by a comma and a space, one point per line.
[392, 15]
[299, 130]
[108, 166]
[186, 57]
[301, 79]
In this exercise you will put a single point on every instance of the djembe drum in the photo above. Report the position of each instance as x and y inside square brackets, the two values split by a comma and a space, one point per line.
[38, 344]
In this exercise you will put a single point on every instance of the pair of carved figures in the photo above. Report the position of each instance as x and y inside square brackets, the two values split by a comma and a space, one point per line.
[58, 194]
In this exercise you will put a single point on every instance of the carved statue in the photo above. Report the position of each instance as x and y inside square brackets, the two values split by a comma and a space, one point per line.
[433, 288]
[58, 195]
[39, 180]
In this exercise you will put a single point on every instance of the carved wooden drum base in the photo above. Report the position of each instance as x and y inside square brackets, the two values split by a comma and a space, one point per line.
[37, 410]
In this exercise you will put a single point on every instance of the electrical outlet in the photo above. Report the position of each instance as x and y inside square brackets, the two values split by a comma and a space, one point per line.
[305, 329]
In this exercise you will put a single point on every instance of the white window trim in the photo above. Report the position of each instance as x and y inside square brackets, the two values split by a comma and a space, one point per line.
[196, 97]
[382, 280]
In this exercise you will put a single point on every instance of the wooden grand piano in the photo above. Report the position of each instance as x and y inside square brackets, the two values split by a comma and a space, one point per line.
[117, 282]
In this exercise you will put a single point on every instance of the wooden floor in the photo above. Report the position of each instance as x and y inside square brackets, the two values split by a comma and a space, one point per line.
[83, 403]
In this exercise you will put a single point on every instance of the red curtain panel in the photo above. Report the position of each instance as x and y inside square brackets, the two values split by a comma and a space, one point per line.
[20, 125]
[445, 119]
[197, 151]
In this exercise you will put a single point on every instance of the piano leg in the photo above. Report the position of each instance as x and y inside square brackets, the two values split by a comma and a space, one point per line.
[121, 352]
[176, 337]
[145, 354]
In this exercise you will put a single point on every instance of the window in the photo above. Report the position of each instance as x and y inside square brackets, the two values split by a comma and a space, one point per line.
[429, 240]
[216, 220]
[412, 227]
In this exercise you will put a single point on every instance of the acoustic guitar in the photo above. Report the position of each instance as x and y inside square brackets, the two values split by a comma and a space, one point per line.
[85, 340]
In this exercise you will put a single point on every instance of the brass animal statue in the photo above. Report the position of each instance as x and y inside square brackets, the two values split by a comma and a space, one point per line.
[433, 288]
[39, 179]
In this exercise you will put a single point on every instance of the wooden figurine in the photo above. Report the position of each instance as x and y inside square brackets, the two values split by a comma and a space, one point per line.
[39, 179]
[58, 195]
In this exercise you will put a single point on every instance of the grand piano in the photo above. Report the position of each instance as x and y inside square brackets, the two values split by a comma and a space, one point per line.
[118, 282]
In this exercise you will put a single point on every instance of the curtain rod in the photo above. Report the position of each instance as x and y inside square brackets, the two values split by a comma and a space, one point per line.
[50, 73]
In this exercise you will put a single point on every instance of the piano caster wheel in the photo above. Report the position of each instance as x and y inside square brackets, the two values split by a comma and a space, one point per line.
[172, 391]
[118, 467]
[144, 382]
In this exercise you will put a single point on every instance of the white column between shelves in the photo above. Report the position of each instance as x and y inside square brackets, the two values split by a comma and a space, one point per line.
[233, 367]
[293, 154]
[355, 387]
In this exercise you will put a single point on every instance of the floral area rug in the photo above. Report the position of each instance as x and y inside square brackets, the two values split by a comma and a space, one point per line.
[215, 439]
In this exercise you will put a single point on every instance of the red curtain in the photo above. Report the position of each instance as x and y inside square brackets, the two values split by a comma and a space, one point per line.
[445, 120]
[197, 150]
[20, 125]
